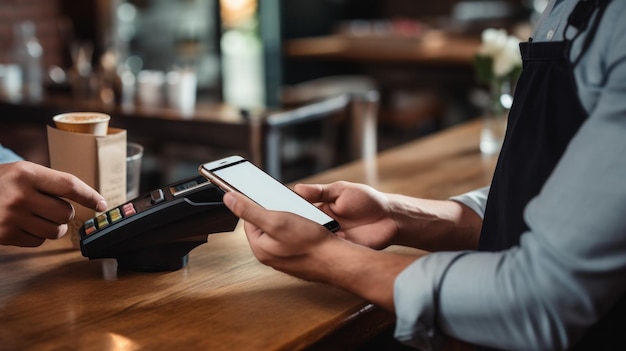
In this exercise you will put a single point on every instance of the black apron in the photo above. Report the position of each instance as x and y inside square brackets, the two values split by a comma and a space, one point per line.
[545, 115]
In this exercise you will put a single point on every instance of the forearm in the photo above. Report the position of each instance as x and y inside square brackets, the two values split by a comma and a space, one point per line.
[363, 271]
[434, 225]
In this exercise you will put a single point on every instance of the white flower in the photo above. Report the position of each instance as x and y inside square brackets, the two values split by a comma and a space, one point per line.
[503, 49]
[508, 58]
[493, 40]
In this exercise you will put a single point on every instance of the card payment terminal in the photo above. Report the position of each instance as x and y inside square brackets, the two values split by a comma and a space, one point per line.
[156, 231]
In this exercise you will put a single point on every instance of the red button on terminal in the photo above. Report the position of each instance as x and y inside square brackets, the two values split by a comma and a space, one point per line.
[128, 209]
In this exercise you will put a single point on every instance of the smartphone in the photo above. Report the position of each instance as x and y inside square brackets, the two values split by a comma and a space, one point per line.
[235, 173]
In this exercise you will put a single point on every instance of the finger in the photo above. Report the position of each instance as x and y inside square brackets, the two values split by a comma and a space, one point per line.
[311, 192]
[269, 245]
[33, 228]
[21, 238]
[65, 185]
[272, 223]
[244, 208]
[253, 234]
[17, 235]
[53, 209]
[42, 227]
[254, 217]
[319, 192]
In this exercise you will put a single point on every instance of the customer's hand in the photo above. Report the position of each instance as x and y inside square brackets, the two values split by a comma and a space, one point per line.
[362, 211]
[283, 240]
[32, 208]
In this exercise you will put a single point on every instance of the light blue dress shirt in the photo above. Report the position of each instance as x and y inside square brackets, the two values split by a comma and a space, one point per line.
[6, 155]
[570, 267]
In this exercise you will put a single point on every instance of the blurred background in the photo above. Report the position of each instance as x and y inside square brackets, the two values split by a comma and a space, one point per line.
[247, 54]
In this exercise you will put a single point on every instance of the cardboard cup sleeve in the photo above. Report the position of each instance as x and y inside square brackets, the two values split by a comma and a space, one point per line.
[99, 161]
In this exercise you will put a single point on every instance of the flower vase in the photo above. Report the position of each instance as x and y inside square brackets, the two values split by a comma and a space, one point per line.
[495, 117]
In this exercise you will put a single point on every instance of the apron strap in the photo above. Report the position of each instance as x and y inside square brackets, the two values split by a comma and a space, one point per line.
[579, 20]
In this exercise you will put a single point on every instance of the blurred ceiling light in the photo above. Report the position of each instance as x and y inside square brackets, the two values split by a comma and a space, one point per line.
[237, 12]
[126, 12]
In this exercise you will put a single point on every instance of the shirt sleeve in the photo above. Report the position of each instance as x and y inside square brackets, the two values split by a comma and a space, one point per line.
[567, 272]
[569, 268]
[7, 155]
[476, 200]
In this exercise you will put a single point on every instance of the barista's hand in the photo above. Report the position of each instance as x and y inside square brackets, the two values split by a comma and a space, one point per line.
[305, 249]
[279, 239]
[376, 219]
[362, 211]
[31, 205]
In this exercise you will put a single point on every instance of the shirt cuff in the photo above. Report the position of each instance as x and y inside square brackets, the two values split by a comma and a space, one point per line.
[416, 291]
[476, 200]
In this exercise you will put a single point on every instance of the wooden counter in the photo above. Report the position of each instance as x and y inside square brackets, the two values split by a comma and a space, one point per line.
[52, 298]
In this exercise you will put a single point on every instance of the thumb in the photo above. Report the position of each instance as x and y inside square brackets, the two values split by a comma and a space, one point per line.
[251, 212]
[315, 193]
[242, 206]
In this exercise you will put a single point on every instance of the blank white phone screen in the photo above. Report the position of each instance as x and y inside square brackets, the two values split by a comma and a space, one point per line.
[268, 192]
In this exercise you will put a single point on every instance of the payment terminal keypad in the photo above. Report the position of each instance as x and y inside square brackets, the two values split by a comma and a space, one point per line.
[111, 216]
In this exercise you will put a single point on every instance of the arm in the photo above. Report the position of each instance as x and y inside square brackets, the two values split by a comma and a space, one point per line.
[302, 248]
[565, 275]
[435, 225]
[377, 220]
[31, 206]
[568, 270]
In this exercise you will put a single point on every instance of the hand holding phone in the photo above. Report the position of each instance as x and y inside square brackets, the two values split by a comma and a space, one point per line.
[235, 173]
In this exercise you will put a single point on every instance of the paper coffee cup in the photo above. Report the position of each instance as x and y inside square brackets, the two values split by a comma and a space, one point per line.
[83, 122]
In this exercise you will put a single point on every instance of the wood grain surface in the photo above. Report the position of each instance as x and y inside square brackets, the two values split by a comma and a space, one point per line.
[53, 298]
